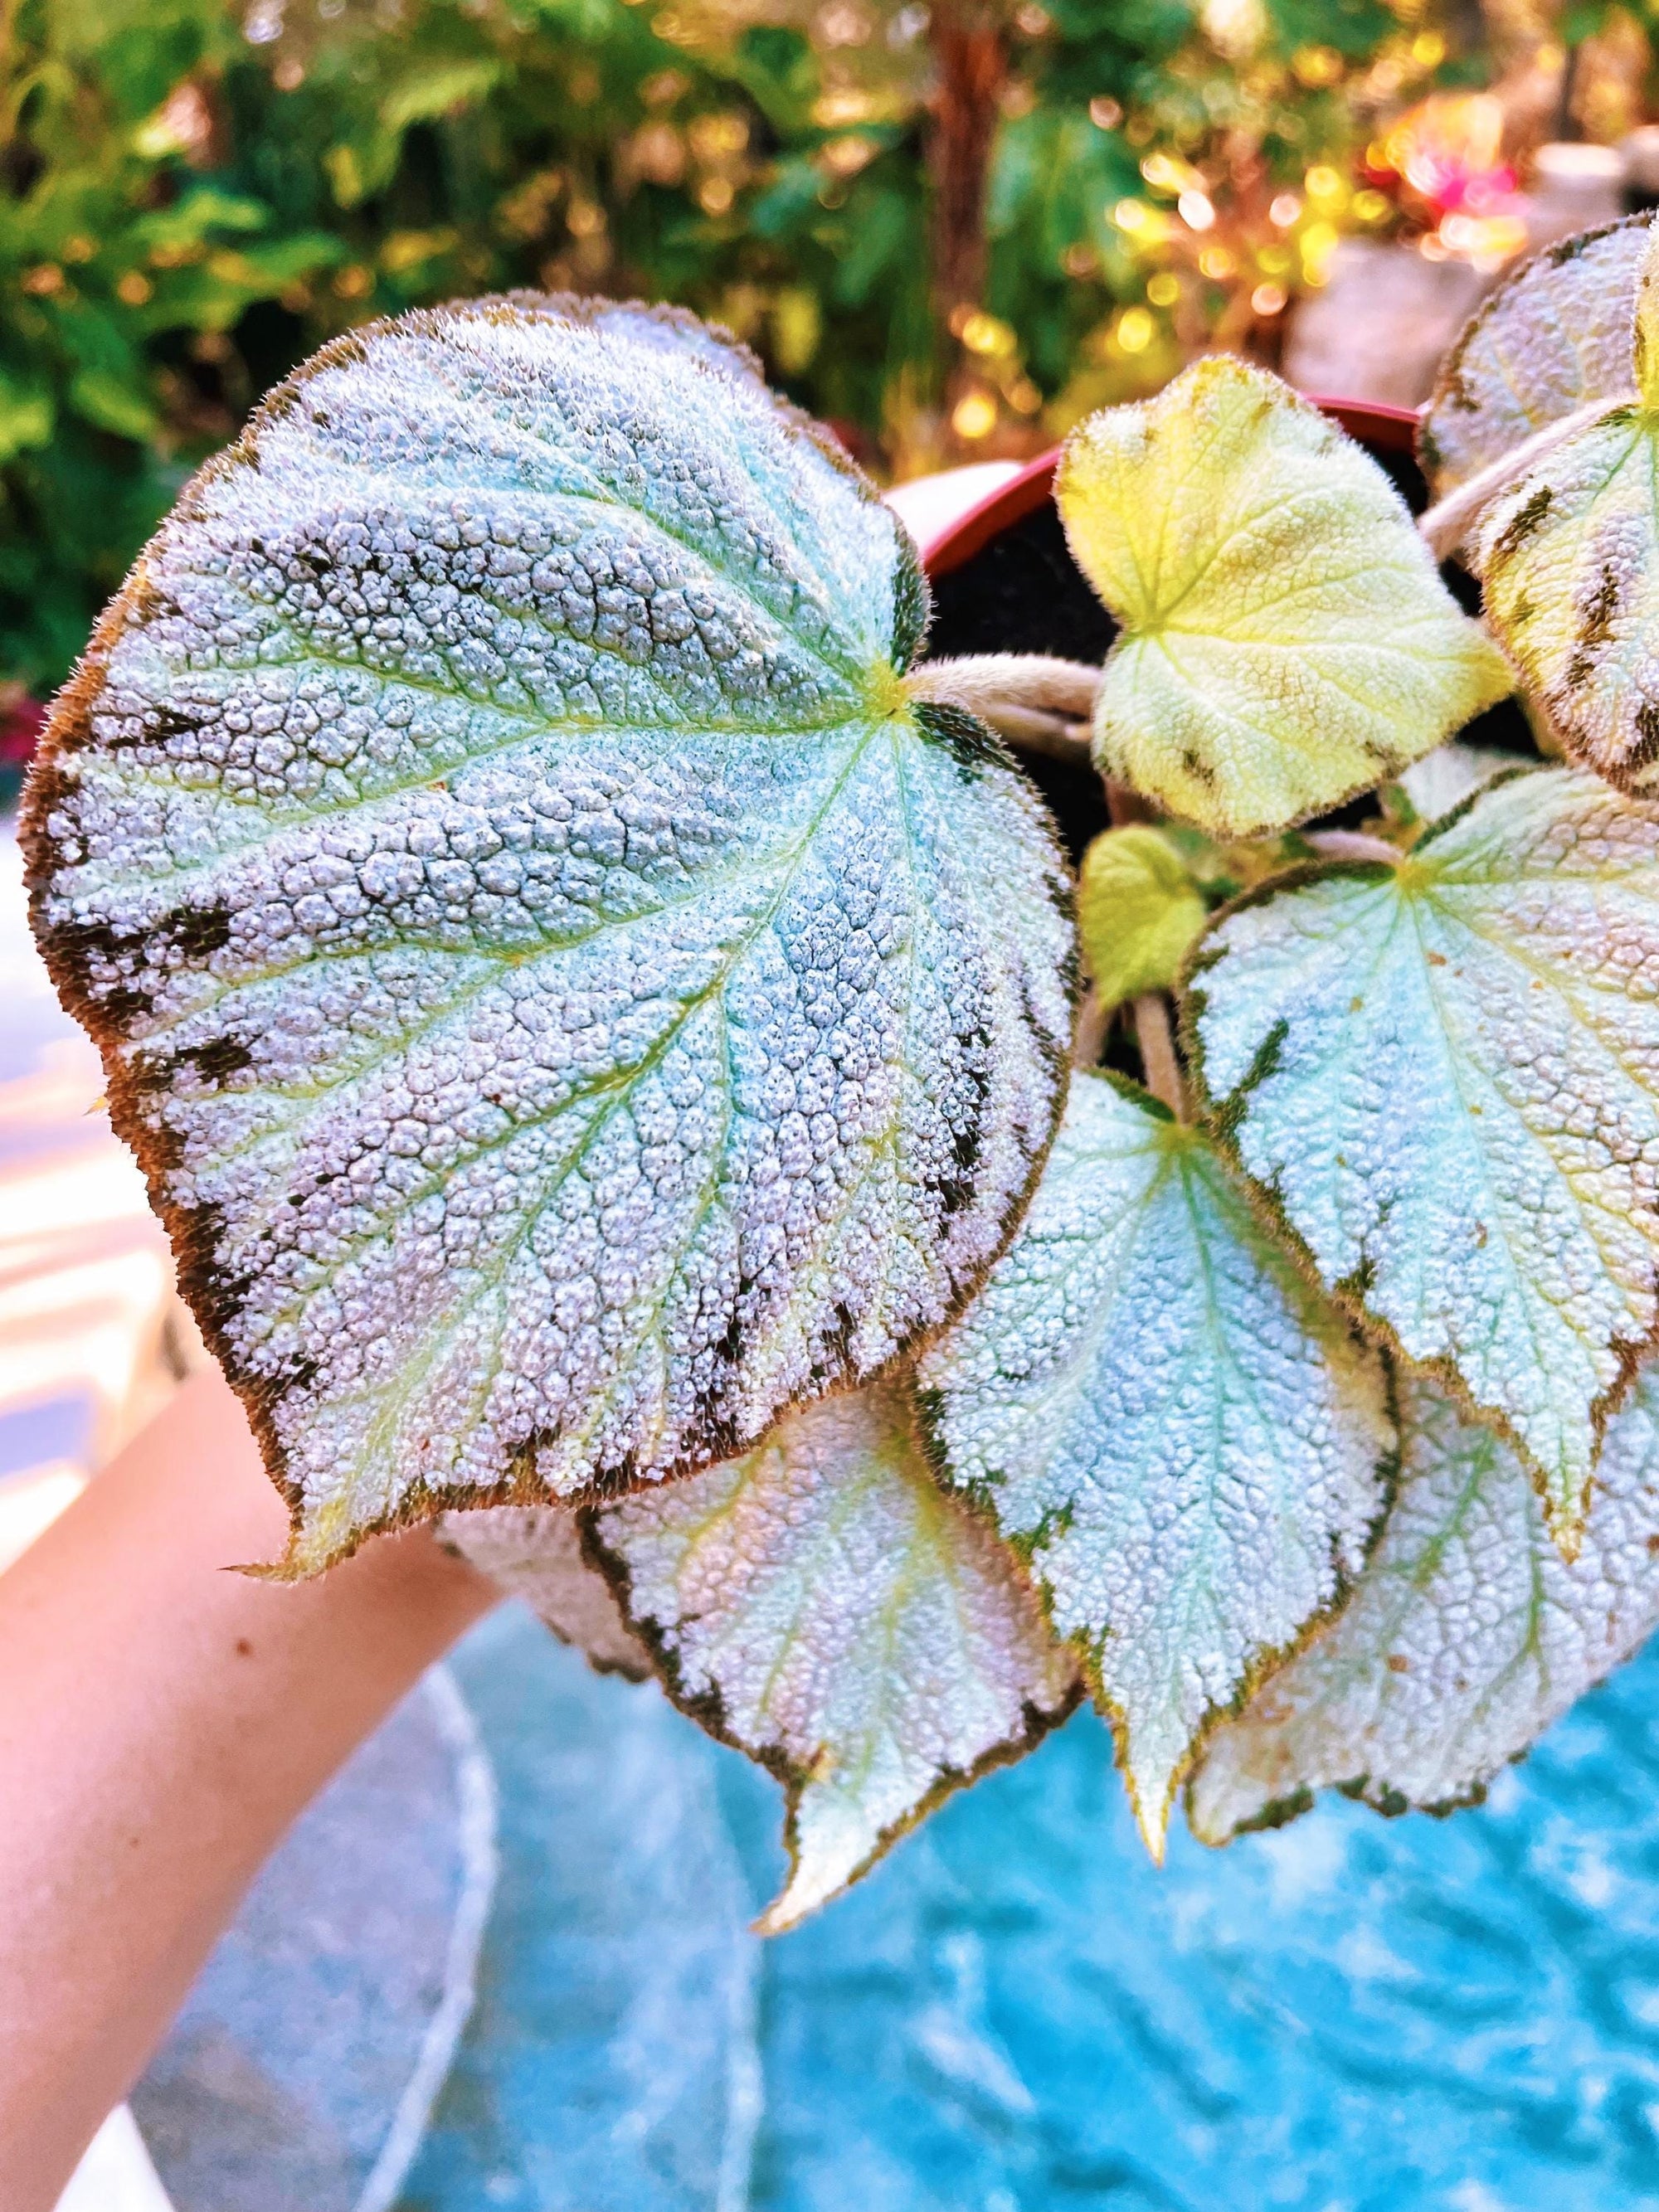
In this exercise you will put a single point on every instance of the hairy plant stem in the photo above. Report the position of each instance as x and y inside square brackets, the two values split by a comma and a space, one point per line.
[1039, 702]
[1093, 1018]
[1351, 845]
[1154, 1034]
[1449, 520]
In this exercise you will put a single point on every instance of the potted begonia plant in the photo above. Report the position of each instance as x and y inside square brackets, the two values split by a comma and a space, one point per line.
[597, 996]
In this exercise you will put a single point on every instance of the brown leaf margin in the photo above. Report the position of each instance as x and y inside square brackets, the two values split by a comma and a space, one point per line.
[707, 1709]
[1265, 1663]
[1222, 1117]
[210, 1296]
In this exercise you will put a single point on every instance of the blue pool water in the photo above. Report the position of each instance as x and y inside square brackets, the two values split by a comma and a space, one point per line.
[1017, 2013]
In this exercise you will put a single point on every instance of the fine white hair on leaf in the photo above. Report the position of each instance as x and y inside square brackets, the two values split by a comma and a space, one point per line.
[1154, 1404]
[821, 1604]
[1466, 1636]
[570, 1002]
[1445, 1076]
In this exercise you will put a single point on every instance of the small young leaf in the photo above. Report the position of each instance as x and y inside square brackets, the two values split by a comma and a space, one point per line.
[1446, 777]
[822, 1604]
[1152, 1401]
[535, 1554]
[570, 1004]
[1568, 557]
[1447, 1075]
[1287, 640]
[1466, 1637]
[1553, 337]
[1139, 913]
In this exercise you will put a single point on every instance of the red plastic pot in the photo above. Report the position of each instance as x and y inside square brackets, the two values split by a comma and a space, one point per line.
[1388, 433]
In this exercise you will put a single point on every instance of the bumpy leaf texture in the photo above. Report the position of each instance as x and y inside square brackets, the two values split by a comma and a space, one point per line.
[1553, 337]
[534, 1553]
[570, 1004]
[1180, 1432]
[1286, 639]
[1139, 913]
[1466, 1636]
[1446, 1073]
[822, 1604]
[1569, 562]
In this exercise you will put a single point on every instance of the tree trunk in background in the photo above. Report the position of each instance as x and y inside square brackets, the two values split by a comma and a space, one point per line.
[969, 43]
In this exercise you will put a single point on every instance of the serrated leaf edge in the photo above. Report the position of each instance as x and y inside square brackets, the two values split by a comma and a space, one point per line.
[1153, 1823]
[707, 1707]
[1222, 1117]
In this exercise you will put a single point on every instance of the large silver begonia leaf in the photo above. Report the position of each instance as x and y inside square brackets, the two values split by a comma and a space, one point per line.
[1466, 1637]
[570, 1004]
[824, 1605]
[1446, 1074]
[1181, 1431]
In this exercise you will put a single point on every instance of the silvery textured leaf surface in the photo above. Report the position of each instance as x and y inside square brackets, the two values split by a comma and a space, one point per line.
[1468, 1635]
[1287, 640]
[1566, 555]
[1184, 1434]
[534, 1553]
[1554, 336]
[1446, 1074]
[826, 1607]
[570, 1005]
[1567, 559]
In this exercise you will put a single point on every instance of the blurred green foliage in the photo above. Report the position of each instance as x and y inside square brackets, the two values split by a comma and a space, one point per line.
[192, 197]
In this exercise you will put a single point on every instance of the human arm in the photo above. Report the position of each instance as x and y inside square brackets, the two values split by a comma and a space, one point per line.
[161, 1723]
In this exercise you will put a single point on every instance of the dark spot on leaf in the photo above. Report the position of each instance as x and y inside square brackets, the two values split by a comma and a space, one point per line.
[969, 742]
[1523, 524]
[1280, 1811]
[1646, 750]
[1596, 623]
[198, 931]
[223, 1056]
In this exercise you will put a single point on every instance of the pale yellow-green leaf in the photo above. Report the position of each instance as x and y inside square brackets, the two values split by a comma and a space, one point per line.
[1645, 356]
[1154, 1402]
[1446, 1074]
[1468, 1633]
[1139, 913]
[1553, 337]
[824, 1605]
[1286, 639]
